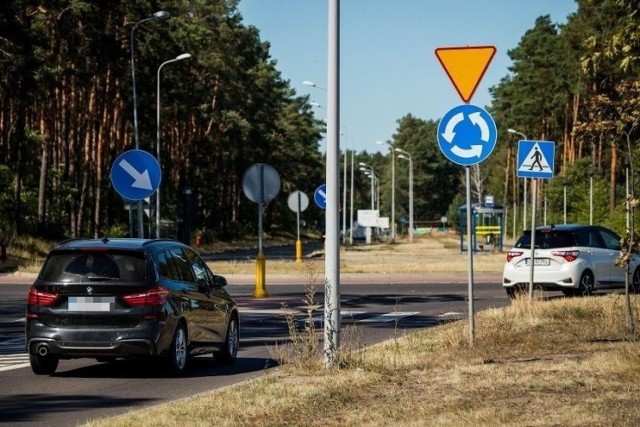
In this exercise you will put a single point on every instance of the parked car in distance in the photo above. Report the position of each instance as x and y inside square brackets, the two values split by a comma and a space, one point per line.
[573, 258]
[123, 298]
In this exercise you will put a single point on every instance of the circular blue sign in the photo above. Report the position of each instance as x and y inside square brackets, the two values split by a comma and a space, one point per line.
[320, 196]
[135, 175]
[467, 134]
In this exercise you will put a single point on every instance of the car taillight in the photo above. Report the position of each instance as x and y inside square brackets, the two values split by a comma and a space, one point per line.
[567, 255]
[154, 296]
[37, 297]
[513, 254]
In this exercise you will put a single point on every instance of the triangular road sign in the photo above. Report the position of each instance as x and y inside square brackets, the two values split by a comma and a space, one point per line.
[465, 66]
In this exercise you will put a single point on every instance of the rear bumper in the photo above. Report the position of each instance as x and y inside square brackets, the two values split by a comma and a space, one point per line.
[552, 280]
[145, 339]
[70, 349]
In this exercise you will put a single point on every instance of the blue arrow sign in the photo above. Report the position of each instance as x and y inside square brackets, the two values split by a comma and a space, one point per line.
[320, 196]
[536, 159]
[467, 134]
[135, 175]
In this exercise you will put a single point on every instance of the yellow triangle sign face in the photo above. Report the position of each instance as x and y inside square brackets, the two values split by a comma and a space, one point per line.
[465, 66]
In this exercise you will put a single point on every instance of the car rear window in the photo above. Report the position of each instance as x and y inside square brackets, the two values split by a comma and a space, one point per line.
[551, 239]
[81, 267]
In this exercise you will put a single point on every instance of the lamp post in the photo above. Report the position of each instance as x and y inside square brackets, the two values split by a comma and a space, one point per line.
[177, 58]
[524, 204]
[591, 170]
[565, 182]
[393, 189]
[405, 155]
[158, 16]
[351, 202]
[366, 168]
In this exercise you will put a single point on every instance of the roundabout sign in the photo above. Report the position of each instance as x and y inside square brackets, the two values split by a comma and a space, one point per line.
[467, 134]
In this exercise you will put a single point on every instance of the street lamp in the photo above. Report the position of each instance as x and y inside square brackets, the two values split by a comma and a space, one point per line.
[158, 16]
[405, 155]
[312, 84]
[524, 204]
[366, 168]
[177, 58]
[393, 189]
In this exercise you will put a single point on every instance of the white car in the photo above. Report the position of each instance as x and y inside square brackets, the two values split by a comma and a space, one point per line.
[573, 258]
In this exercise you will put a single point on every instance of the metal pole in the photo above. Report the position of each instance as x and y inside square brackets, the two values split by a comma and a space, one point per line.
[135, 116]
[351, 203]
[344, 199]
[564, 207]
[533, 238]
[410, 200]
[177, 58]
[158, 15]
[524, 207]
[332, 246]
[591, 198]
[470, 260]
[393, 193]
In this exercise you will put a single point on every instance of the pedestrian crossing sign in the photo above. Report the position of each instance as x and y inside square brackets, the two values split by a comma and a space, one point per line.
[536, 159]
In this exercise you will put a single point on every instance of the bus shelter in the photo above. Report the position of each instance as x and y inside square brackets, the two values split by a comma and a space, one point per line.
[487, 227]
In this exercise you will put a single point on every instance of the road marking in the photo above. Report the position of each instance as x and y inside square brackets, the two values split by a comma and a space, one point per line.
[389, 317]
[14, 361]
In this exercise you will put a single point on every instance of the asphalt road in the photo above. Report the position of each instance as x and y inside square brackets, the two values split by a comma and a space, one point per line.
[381, 307]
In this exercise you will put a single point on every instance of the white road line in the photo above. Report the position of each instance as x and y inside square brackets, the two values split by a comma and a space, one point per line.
[14, 361]
[389, 317]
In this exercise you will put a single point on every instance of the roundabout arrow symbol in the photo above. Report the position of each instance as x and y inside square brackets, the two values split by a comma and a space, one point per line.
[473, 151]
[449, 133]
[477, 119]
[141, 180]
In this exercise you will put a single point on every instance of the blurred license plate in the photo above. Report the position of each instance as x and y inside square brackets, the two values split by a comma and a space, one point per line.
[537, 261]
[92, 303]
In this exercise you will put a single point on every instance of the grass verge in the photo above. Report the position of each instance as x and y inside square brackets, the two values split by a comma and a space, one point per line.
[569, 362]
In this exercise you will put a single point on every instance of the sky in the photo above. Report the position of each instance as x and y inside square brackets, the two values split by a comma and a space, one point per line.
[388, 66]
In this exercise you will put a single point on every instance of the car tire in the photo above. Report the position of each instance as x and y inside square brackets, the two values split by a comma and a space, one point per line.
[635, 281]
[43, 365]
[228, 353]
[178, 353]
[585, 286]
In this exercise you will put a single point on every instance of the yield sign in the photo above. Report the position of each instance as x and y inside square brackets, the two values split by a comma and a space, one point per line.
[465, 66]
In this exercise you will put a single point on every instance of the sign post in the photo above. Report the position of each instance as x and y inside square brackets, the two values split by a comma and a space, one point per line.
[298, 202]
[467, 134]
[136, 175]
[261, 184]
[535, 160]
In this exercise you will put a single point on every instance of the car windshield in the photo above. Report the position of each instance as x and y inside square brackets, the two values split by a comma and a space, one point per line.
[80, 267]
[547, 239]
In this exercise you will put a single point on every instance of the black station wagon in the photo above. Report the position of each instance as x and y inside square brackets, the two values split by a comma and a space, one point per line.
[122, 298]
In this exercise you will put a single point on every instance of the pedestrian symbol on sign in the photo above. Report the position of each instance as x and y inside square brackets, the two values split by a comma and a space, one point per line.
[536, 159]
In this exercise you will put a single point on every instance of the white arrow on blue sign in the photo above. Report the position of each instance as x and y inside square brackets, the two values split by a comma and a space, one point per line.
[467, 134]
[320, 196]
[135, 175]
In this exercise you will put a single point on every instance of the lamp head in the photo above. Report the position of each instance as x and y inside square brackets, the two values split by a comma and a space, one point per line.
[183, 56]
[161, 15]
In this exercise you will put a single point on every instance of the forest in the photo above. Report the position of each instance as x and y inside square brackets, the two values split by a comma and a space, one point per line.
[66, 97]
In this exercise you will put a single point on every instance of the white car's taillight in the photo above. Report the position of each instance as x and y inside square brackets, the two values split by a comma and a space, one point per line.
[567, 255]
[513, 254]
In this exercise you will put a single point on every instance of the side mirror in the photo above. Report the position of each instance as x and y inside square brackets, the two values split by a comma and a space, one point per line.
[219, 281]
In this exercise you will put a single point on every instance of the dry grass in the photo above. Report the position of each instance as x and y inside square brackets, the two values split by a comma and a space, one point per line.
[424, 255]
[565, 362]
